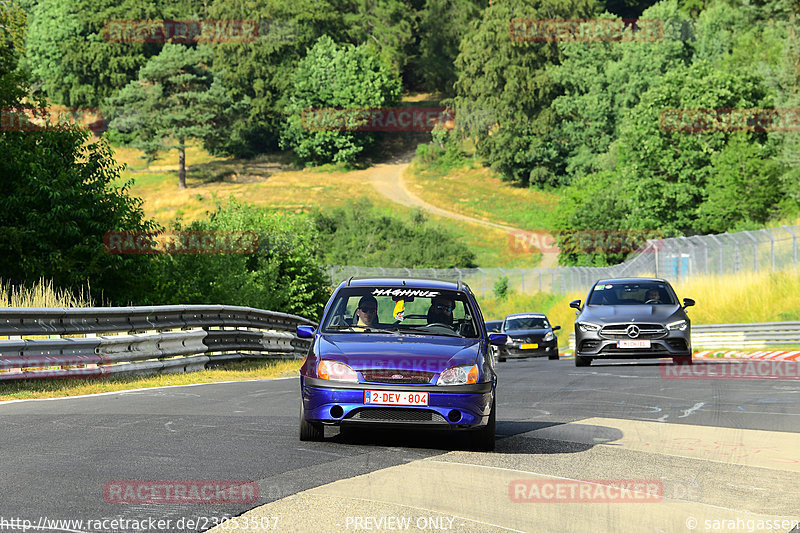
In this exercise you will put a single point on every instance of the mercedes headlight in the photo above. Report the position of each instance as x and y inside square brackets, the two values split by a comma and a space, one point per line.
[588, 327]
[680, 325]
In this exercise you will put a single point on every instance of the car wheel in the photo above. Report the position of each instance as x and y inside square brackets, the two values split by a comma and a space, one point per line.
[682, 360]
[553, 357]
[501, 358]
[582, 361]
[483, 439]
[310, 431]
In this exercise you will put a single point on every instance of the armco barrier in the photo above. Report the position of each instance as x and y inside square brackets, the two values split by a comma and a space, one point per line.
[737, 336]
[177, 338]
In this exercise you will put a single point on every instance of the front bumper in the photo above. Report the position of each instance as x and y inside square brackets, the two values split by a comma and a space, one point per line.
[512, 351]
[453, 408]
[673, 344]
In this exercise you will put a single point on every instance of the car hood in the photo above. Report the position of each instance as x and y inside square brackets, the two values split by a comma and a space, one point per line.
[526, 333]
[381, 351]
[614, 314]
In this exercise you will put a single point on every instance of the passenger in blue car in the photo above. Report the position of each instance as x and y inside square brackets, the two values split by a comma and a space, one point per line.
[367, 312]
[441, 311]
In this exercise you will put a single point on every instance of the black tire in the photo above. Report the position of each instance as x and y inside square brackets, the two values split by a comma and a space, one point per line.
[553, 357]
[501, 359]
[582, 361]
[683, 360]
[483, 440]
[310, 431]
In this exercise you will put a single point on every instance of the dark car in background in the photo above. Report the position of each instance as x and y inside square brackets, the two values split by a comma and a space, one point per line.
[528, 335]
[632, 318]
[422, 361]
[493, 326]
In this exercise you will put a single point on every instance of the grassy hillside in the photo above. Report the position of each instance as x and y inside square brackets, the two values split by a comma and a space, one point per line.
[271, 181]
[480, 193]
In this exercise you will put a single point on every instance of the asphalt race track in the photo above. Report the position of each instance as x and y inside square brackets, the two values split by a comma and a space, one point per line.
[613, 447]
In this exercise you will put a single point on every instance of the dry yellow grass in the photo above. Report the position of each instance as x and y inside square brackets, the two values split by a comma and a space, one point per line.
[57, 388]
[42, 294]
[480, 193]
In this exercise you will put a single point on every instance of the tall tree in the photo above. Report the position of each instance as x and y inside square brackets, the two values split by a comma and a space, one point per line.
[329, 77]
[508, 80]
[177, 97]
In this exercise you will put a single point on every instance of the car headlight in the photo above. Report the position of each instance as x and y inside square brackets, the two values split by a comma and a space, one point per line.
[680, 325]
[509, 340]
[549, 336]
[587, 327]
[336, 371]
[459, 375]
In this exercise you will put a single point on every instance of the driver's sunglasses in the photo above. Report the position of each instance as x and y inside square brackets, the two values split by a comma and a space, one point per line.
[447, 308]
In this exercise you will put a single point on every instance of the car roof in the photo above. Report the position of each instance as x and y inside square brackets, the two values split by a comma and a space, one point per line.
[404, 282]
[630, 280]
[537, 315]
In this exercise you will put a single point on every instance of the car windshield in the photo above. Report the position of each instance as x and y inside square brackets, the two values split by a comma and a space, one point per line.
[526, 322]
[360, 310]
[639, 293]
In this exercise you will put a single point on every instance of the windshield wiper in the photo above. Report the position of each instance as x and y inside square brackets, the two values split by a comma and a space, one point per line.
[431, 331]
[360, 329]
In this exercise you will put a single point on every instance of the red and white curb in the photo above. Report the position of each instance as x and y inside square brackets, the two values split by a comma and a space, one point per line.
[768, 355]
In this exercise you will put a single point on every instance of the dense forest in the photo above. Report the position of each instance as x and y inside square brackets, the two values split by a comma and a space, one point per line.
[620, 106]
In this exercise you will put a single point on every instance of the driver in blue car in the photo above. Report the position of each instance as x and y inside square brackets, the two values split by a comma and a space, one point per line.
[441, 311]
[367, 312]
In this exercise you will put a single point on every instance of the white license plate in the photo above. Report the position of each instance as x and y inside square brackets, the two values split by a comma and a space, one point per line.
[633, 344]
[385, 397]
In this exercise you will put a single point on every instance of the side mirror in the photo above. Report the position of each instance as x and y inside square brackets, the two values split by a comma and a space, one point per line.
[575, 304]
[498, 339]
[305, 332]
[556, 328]
[688, 302]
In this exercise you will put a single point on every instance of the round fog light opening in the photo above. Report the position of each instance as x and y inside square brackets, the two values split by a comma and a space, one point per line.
[337, 411]
[454, 415]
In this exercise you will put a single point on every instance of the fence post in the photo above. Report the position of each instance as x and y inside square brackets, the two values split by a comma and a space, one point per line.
[794, 244]
[522, 275]
[755, 250]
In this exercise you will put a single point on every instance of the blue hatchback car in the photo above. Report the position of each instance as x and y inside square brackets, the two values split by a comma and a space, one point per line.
[399, 353]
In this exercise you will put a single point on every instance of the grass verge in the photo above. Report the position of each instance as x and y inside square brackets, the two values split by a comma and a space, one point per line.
[236, 371]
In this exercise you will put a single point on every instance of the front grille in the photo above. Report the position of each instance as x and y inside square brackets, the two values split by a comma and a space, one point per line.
[397, 376]
[396, 414]
[646, 331]
[654, 348]
[589, 345]
[677, 344]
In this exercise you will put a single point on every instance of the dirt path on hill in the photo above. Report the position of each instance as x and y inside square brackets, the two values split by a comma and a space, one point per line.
[387, 178]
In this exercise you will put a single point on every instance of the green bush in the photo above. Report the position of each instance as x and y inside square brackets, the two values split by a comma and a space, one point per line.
[336, 77]
[359, 234]
[284, 274]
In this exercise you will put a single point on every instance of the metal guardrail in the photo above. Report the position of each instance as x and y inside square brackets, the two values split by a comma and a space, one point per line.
[176, 338]
[736, 336]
